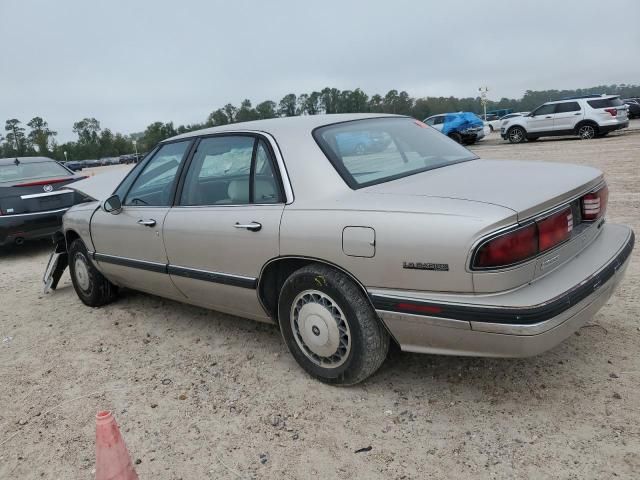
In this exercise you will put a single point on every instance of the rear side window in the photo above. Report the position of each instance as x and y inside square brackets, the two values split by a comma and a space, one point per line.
[605, 102]
[31, 171]
[567, 107]
[231, 170]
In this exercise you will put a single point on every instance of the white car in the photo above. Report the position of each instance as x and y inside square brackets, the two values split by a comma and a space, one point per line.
[588, 117]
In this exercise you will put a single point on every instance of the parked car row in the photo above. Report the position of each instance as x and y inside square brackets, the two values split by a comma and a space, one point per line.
[77, 165]
[463, 127]
[633, 105]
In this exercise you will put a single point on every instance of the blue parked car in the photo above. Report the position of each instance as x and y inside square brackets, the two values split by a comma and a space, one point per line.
[463, 127]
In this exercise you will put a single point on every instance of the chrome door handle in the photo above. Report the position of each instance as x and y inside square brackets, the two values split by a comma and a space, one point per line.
[253, 226]
[147, 223]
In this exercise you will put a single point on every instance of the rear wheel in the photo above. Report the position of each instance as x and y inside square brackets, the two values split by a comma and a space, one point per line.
[91, 286]
[587, 131]
[516, 135]
[330, 327]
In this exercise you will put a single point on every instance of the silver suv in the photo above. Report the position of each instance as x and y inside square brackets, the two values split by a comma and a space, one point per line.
[588, 117]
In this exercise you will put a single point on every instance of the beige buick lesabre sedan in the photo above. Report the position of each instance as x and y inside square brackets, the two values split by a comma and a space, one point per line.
[350, 232]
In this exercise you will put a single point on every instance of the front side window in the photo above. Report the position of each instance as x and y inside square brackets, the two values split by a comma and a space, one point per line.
[545, 110]
[393, 148]
[154, 185]
[221, 173]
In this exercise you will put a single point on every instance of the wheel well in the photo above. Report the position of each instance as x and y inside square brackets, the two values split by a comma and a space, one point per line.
[516, 126]
[587, 122]
[70, 236]
[276, 272]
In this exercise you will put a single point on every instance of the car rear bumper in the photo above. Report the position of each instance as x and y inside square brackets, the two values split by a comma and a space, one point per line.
[614, 126]
[30, 226]
[519, 323]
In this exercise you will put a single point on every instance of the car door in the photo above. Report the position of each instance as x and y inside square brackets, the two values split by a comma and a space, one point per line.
[567, 115]
[541, 119]
[226, 224]
[128, 243]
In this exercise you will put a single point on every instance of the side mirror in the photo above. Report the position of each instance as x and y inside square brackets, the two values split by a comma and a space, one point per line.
[112, 205]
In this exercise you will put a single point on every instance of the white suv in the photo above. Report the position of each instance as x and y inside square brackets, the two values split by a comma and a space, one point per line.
[588, 117]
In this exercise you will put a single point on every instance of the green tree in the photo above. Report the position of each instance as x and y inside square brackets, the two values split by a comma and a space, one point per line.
[267, 109]
[155, 133]
[40, 135]
[246, 113]
[230, 111]
[287, 106]
[217, 118]
[16, 140]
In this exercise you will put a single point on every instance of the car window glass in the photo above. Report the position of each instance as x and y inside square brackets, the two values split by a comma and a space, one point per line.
[545, 110]
[605, 103]
[220, 171]
[366, 152]
[429, 121]
[568, 107]
[265, 185]
[154, 185]
[31, 170]
[438, 120]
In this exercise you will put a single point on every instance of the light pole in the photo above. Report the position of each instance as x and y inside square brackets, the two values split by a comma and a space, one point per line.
[65, 156]
[483, 99]
[135, 147]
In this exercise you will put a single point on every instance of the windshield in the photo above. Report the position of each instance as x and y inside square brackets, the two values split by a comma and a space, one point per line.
[31, 170]
[377, 150]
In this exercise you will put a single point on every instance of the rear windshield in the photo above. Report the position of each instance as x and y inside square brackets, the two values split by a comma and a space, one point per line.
[377, 150]
[31, 171]
[605, 102]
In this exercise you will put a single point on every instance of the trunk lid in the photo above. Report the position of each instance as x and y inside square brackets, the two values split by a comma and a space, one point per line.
[527, 188]
[38, 196]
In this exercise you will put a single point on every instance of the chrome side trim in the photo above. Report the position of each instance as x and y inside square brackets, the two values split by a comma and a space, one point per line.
[214, 277]
[48, 212]
[131, 262]
[45, 194]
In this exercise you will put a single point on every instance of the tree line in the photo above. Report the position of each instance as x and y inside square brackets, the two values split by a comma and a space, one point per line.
[93, 141]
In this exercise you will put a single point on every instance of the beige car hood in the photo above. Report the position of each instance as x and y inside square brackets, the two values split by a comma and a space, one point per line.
[524, 187]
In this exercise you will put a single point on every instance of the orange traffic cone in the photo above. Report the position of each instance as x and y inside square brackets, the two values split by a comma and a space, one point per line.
[112, 458]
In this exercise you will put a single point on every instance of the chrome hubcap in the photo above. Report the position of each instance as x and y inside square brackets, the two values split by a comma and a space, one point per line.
[587, 132]
[320, 329]
[82, 272]
[516, 135]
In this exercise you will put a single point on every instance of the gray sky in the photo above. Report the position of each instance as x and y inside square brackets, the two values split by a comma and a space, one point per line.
[129, 63]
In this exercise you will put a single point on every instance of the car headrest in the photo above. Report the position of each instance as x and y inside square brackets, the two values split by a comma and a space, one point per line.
[238, 191]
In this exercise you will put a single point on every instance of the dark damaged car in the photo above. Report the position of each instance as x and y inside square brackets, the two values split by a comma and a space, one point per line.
[33, 198]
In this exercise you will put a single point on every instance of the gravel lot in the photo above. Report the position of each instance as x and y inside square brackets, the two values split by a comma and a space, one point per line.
[205, 395]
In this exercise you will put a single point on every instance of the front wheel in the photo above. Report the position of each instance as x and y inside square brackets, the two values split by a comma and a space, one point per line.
[91, 286]
[456, 136]
[330, 327]
[516, 135]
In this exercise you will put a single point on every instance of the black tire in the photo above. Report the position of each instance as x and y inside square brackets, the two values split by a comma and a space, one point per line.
[363, 340]
[91, 286]
[532, 139]
[516, 134]
[491, 128]
[587, 131]
[456, 136]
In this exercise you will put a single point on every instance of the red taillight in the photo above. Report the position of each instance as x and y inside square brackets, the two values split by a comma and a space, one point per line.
[594, 204]
[554, 229]
[43, 182]
[512, 247]
[612, 111]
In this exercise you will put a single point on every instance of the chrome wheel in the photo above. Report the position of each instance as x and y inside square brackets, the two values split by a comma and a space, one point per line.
[516, 135]
[587, 132]
[82, 272]
[320, 329]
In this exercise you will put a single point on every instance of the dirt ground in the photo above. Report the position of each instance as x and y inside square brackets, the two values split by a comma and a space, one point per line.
[205, 395]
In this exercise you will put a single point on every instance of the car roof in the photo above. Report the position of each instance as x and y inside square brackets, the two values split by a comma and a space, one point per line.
[589, 97]
[11, 160]
[284, 125]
